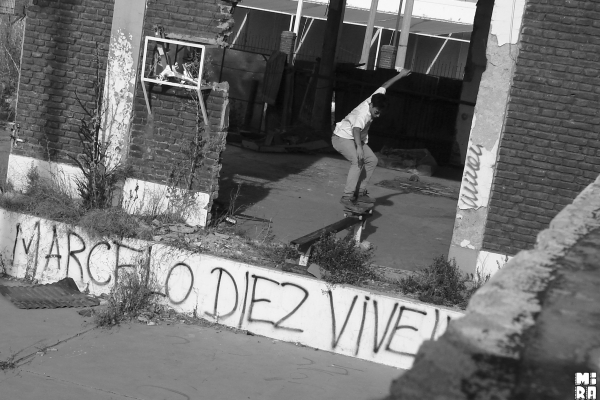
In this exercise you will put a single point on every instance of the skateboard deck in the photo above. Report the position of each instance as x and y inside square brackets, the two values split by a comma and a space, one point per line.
[359, 209]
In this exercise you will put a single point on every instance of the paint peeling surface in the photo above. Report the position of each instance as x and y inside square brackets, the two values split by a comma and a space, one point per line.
[506, 21]
[268, 302]
[118, 97]
[467, 244]
[477, 176]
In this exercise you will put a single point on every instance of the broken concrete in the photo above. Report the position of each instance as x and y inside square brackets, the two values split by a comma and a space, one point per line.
[529, 329]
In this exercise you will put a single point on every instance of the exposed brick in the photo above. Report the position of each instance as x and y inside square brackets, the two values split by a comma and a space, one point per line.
[53, 32]
[167, 146]
[550, 148]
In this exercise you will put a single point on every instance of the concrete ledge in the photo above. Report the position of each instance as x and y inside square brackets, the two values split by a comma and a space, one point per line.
[139, 197]
[289, 307]
[481, 355]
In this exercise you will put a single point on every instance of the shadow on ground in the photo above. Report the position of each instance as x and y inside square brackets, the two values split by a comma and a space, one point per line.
[299, 194]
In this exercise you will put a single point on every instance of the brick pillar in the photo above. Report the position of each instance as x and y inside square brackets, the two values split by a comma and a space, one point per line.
[387, 57]
[288, 41]
[482, 150]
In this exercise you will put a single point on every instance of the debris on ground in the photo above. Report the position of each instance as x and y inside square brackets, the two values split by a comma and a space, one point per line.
[61, 294]
[415, 161]
[298, 138]
[416, 186]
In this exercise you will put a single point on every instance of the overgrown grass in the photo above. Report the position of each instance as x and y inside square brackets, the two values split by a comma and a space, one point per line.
[134, 293]
[344, 262]
[49, 198]
[442, 283]
[46, 198]
[114, 222]
[278, 253]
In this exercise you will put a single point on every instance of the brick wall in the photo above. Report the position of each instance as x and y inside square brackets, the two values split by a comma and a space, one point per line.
[59, 58]
[159, 142]
[550, 148]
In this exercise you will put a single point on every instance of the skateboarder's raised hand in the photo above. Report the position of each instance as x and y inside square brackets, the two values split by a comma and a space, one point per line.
[402, 72]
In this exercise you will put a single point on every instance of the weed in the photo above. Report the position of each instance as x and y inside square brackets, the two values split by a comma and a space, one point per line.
[114, 222]
[11, 37]
[8, 364]
[505, 260]
[223, 214]
[135, 292]
[344, 262]
[476, 281]
[47, 198]
[3, 271]
[101, 173]
[277, 253]
[441, 283]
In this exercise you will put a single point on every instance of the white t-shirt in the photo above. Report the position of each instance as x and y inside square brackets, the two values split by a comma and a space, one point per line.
[360, 117]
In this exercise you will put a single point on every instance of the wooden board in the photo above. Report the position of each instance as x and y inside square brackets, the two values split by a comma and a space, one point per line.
[273, 77]
[304, 242]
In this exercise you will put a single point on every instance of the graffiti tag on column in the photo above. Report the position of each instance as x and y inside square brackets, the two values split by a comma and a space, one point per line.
[473, 165]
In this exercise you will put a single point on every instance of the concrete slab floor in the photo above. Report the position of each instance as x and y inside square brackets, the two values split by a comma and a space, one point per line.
[170, 362]
[301, 192]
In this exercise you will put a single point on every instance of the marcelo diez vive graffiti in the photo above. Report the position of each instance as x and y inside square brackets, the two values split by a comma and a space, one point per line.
[265, 301]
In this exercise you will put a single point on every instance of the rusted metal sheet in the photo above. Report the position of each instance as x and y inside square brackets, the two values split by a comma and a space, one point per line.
[61, 294]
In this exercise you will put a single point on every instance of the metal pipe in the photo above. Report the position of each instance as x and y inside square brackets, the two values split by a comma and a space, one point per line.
[398, 19]
[366, 50]
[240, 30]
[298, 17]
[437, 55]
[302, 39]
[405, 30]
[378, 47]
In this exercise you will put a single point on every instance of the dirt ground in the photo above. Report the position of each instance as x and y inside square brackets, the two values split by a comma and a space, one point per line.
[300, 193]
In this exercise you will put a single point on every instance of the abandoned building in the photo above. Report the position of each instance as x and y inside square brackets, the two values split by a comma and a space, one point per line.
[514, 106]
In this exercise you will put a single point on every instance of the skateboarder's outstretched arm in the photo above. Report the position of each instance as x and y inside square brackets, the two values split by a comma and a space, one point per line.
[401, 74]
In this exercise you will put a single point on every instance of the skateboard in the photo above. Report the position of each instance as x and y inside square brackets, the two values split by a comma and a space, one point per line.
[359, 210]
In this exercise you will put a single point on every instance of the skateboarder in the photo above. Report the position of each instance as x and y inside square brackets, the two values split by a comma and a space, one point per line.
[350, 139]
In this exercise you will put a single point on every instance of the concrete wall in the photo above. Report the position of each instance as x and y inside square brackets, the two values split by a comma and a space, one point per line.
[486, 131]
[528, 331]
[294, 308]
[122, 74]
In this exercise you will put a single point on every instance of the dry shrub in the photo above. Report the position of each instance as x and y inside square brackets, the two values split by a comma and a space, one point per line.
[46, 198]
[440, 283]
[114, 222]
[134, 293]
[344, 262]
